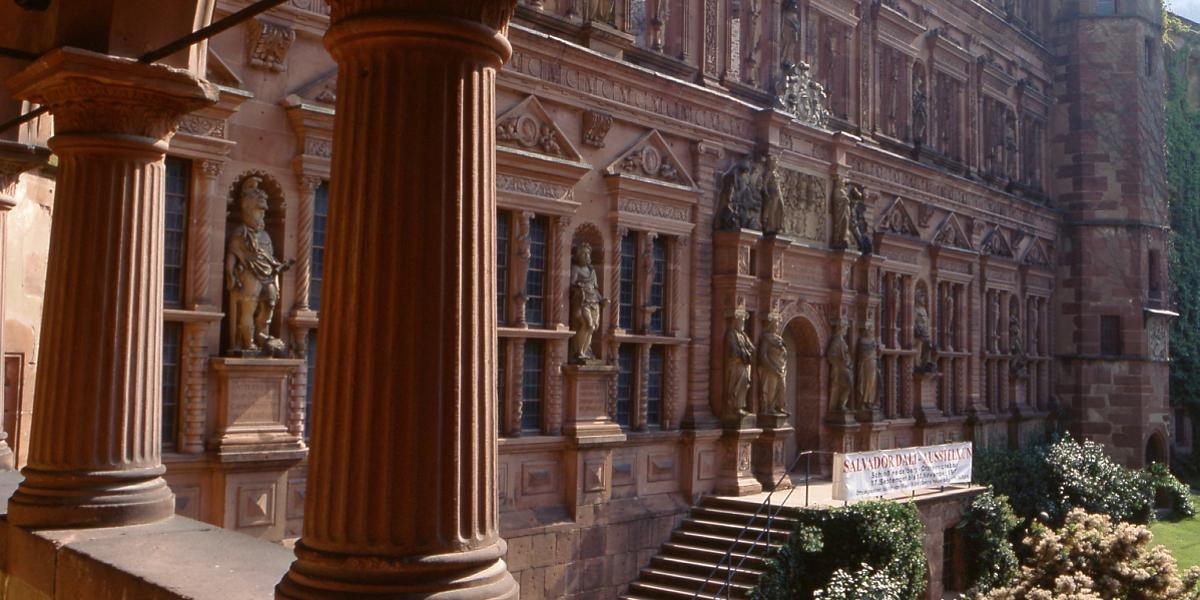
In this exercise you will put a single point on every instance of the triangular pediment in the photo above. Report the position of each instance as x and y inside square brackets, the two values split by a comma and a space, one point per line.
[1036, 254]
[219, 73]
[951, 234]
[527, 126]
[897, 219]
[650, 157]
[321, 89]
[995, 243]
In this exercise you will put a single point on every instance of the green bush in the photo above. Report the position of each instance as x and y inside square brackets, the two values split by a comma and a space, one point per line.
[987, 522]
[886, 535]
[1176, 492]
[867, 583]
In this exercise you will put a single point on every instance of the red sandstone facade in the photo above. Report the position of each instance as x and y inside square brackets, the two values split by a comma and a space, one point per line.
[1009, 155]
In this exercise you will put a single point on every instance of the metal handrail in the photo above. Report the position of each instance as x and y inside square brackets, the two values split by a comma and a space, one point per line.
[728, 556]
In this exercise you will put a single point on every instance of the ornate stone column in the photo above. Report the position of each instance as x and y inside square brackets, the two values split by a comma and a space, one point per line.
[304, 239]
[406, 377]
[94, 457]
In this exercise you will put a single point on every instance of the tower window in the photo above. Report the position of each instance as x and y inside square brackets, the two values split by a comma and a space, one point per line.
[1110, 335]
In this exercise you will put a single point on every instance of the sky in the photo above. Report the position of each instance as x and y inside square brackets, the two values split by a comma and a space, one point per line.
[1189, 9]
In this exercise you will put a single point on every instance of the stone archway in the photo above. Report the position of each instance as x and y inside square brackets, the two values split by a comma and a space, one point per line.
[805, 384]
[1156, 449]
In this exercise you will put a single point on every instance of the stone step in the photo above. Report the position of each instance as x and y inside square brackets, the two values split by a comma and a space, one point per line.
[723, 543]
[711, 556]
[733, 530]
[695, 583]
[653, 591]
[685, 566]
[779, 521]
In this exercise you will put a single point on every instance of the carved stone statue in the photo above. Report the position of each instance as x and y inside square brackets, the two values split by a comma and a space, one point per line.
[772, 367]
[741, 197]
[1016, 347]
[923, 333]
[860, 228]
[996, 319]
[920, 112]
[662, 16]
[603, 11]
[739, 356]
[772, 193]
[842, 235]
[840, 369]
[753, 42]
[252, 276]
[585, 304]
[796, 92]
[1033, 328]
[789, 34]
[868, 367]
[948, 319]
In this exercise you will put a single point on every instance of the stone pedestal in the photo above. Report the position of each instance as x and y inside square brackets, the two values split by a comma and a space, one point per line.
[95, 448]
[588, 418]
[770, 463]
[925, 405]
[735, 476]
[401, 495]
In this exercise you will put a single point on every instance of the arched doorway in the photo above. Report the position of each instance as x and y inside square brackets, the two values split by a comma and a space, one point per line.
[1156, 449]
[805, 385]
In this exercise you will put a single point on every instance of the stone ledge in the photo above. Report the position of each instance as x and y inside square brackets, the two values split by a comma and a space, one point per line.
[173, 560]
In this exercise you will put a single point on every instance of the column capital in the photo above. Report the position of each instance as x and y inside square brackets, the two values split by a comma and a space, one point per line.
[211, 169]
[96, 94]
[471, 25]
[494, 14]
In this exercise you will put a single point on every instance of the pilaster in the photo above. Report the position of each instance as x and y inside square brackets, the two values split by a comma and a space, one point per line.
[95, 456]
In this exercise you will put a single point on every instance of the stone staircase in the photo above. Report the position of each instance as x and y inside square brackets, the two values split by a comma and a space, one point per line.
[698, 545]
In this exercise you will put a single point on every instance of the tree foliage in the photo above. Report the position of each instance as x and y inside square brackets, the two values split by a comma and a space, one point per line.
[1183, 178]
[986, 524]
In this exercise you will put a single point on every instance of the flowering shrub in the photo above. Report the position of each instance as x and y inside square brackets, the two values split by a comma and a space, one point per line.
[886, 535]
[1176, 492]
[866, 583]
[986, 525]
[1093, 558]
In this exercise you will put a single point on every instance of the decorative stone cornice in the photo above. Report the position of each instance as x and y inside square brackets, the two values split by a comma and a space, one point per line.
[93, 93]
[16, 159]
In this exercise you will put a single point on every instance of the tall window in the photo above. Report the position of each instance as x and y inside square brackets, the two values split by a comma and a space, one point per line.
[628, 277]
[317, 268]
[1154, 283]
[501, 383]
[179, 172]
[1110, 335]
[625, 361]
[502, 234]
[658, 284]
[172, 348]
[535, 280]
[311, 368]
[531, 385]
[654, 387]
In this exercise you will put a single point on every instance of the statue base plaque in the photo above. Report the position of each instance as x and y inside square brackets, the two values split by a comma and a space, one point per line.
[587, 410]
[735, 476]
[770, 467]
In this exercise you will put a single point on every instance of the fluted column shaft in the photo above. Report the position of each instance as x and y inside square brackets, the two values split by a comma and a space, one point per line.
[401, 499]
[94, 457]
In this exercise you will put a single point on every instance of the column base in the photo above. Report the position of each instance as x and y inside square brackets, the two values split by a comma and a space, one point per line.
[8, 461]
[473, 575]
[65, 500]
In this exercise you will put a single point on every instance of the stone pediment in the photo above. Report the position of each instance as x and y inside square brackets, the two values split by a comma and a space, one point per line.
[897, 219]
[995, 243]
[321, 89]
[1036, 254]
[951, 234]
[219, 73]
[528, 127]
[650, 157]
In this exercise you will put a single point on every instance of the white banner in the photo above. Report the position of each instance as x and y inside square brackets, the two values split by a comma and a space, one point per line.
[864, 474]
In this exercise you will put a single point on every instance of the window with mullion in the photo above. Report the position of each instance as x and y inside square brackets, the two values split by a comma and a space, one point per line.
[311, 367]
[178, 182]
[654, 387]
[501, 381]
[658, 285]
[625, 363]
[628, 281]
[317, 264]
[172, 358]
[502, 236]
[532, 385]
[535, 279]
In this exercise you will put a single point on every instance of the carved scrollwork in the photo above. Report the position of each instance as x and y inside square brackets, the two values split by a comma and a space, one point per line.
[269, 44]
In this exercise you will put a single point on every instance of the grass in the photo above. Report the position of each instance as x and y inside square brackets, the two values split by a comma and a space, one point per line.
[1182, 538]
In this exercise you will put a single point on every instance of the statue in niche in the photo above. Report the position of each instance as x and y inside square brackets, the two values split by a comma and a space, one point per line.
[948, 311]
[868, 367]
[772, 192]
[604, 11]
[662, 16]
[772, 367]
[790, 34]
[739, 356]
[843, 234]
[252, 276]
[585, 304]
[753, 42]
[1033, 328]
[741, 197]
[860, 228]
[1010, 143]
[840, 370]
[1016, 348]
[923, 332]
[920, 112]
